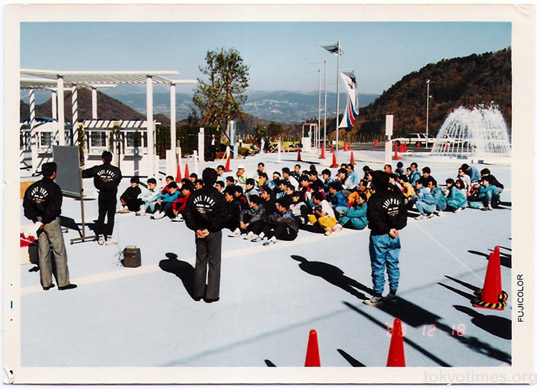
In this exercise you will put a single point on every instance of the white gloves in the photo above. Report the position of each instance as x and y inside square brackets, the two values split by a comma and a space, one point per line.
[32, 229]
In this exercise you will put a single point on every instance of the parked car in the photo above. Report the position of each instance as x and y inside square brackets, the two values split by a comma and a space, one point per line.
[415, 137]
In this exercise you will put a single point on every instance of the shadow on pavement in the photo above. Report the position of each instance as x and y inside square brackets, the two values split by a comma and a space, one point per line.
[333, 275]
[410, 313]
[353, 362]
[506, 260]
[471, 342]
[414, 345]
[69, 223]
[181, 269]
[495, 325]
[468, 296]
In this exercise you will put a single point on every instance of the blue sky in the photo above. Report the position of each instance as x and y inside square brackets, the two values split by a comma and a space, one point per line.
[278, 53]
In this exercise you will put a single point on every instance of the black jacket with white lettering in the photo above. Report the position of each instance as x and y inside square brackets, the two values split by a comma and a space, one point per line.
[206, 209]
[43, 198]
[106, 177]
[386, 210]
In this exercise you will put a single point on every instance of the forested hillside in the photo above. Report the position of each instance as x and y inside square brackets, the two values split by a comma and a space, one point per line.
[468, 81]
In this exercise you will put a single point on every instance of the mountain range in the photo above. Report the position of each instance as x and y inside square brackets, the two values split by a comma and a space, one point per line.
[478, 79]
[282, 106]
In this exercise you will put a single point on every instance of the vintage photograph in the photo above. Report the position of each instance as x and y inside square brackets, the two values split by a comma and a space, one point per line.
[208, 193]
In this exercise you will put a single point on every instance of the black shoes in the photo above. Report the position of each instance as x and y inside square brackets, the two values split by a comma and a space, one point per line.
[49, 287]
[211, 300]
[66, 287]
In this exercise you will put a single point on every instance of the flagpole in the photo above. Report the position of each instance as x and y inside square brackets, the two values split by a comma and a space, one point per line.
[319, 112]
[337, 99]
[325, 96]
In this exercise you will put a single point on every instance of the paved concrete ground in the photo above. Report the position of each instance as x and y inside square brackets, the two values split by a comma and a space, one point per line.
[271, 297]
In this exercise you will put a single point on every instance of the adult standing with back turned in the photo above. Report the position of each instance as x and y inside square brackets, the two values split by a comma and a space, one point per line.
[106, 180]
[43, 205]
[386, 215]
[205, 213]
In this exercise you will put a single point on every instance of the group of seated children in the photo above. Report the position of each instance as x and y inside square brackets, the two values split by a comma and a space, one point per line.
[276, 209]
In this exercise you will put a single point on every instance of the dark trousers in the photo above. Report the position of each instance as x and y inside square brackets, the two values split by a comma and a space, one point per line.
[166, 207]
[208, 260]
[256, 227]
[106, 207]
[281, 231]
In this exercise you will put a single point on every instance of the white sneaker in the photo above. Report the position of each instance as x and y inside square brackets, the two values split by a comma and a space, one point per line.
[249, 235]
[101, 239]
[375, 301]
[123, 210]
[140, 213]
[236, 233]
[269, 242]
[178, 218]
[159, 215]
[110, 241]
[257, 239]
[421, 217]
[460, 209]
[328, 233]
[337, 227]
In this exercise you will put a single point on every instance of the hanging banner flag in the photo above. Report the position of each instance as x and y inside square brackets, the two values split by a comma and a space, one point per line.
[334, 48]
[352, 100]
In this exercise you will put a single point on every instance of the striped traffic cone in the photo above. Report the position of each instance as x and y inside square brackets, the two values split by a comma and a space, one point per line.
[491, 296]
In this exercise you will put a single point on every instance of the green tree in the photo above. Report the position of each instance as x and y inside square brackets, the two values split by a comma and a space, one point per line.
[275, 130]
[220, 97]
[259, 132]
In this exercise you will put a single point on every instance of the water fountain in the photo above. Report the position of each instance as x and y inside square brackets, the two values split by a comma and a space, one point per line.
[480, 133]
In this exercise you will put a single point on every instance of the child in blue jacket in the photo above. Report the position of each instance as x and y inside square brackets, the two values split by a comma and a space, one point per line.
[487, 195]
[425, 203]
[456, 201]
[164, 205]
[356, 216]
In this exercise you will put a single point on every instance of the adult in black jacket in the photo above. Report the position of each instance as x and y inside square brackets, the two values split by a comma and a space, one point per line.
[42, 204]
[386, 215]
[106, 180]
[205, 213]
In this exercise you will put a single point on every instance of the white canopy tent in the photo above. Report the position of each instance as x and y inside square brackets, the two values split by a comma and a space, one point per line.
[58, 80]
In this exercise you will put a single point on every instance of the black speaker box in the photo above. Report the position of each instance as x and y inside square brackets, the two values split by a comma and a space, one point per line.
[132, 257]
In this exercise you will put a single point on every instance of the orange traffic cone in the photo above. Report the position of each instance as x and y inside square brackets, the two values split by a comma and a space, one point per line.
[396, 354]
[491, 296]
[178, 173]
[376, 142]
[186, 173]
[228, 164]
[334, 160]
[497, 253]
[352, 158]
[312, 355]
[322, 152]
[396, 156]
[299, 158]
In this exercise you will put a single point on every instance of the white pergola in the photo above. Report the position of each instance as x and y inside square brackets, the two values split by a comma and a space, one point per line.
[58, 80]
